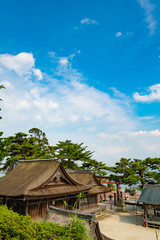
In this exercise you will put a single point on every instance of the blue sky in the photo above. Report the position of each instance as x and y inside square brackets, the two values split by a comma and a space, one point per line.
[88, 71]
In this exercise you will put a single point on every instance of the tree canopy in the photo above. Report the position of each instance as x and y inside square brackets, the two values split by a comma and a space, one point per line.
[70, 153]
[76, 156]
[35, 145]
[1, 133]
[136, 172]
[25, 146]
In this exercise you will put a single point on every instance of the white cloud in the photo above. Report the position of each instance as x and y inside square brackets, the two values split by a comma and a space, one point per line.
[23, 64]
[7, 84]
[64, 61]
[67, 108]
[155, 132]
[38, 74]
[68, 97]
[118, 34]
[147, 117]
[138, 144]
[72, 56]
[154, 94]
[144, 133]
[88, 21]
[23, 105]
[150, 19]
[125, 34]
[74, 118]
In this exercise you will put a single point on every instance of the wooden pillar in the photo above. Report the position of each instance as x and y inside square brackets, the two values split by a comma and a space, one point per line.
[117, 184]
[47, 204]
[105, 198]
[4, 200]
[26, 210]
[110, 199]
[20, 208]
[121, 195]
[154, 211]
[145, 214]
[98, 198]
[115, 199]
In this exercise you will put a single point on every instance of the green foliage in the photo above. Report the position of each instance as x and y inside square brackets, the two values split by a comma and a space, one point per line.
[70, 153]
[1, 133]
[35, 145]
[131, 191]
[136, 172]
[14, 226]
[76, 230]
[76, 156]
[24, 146]
[120, 203]
[111, 186]
[98, 167]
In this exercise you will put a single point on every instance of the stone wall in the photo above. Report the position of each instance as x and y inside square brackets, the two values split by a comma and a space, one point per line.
[63, 217]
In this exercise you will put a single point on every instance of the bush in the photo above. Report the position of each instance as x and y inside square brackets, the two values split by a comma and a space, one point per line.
[120, 203]
[18, 227]
[13, 226]
[131, 191]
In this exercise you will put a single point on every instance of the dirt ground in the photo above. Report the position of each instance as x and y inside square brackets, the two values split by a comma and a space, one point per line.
[126, 225]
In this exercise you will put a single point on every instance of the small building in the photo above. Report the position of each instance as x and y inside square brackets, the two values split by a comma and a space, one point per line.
[88, 178]
[150, 197]
[33, 185]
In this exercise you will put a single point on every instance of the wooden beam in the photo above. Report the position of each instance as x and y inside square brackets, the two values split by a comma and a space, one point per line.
[26, 210]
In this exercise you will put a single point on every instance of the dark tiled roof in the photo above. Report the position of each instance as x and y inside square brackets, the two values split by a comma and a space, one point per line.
[30, 178]
[88, 178]
[150, 195]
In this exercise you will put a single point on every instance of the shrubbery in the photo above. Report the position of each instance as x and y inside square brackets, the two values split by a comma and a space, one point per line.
[14, 226]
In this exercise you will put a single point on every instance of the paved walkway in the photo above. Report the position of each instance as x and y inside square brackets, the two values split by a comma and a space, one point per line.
[126, 225]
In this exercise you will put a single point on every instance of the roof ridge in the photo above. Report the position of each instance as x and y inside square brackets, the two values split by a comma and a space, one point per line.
[79, 171]
[39, 160]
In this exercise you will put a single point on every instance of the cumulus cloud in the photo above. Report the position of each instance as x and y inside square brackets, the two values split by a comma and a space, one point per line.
[38, 73]
[135, 144]
[148, 8]
[67, 108]
[70, 93]
[66, 97]
[23, 64]
[88, 21]
[144, 133]
[118, 34]
[153, 94]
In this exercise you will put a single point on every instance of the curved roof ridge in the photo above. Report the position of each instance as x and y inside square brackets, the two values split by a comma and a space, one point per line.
[39, 160]
[80, 171]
